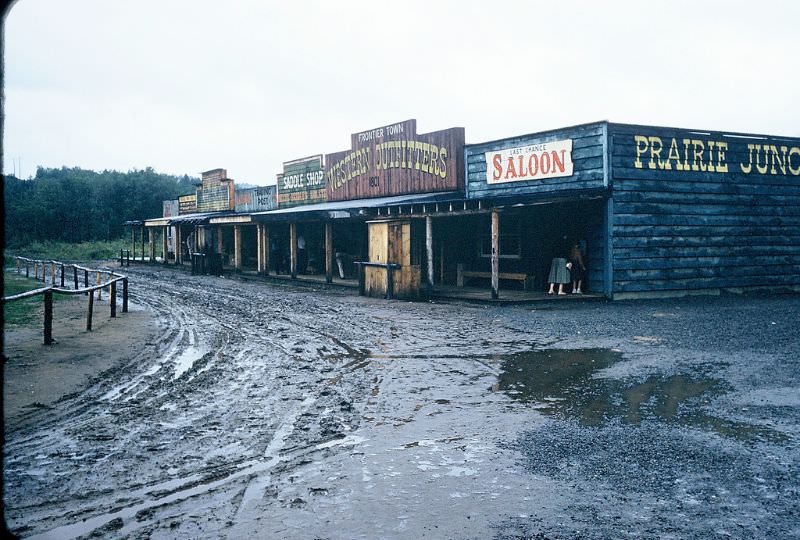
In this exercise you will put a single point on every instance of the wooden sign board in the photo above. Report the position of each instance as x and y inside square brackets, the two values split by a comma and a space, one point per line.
[302, 182]
[217, 192]
[187, 204]
[395, 160]
[170, 208]
[256, 199]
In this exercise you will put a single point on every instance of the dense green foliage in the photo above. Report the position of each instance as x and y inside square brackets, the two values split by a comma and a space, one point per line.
[77, 205]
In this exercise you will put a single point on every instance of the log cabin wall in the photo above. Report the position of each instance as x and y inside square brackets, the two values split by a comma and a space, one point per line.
[703, 211]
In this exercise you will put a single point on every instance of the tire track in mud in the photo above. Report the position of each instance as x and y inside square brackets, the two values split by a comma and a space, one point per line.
[130, 427]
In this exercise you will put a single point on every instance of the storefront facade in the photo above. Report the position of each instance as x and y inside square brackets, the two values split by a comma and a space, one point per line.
[653, 211]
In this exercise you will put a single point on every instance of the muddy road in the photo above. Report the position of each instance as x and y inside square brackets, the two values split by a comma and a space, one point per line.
[265, 411]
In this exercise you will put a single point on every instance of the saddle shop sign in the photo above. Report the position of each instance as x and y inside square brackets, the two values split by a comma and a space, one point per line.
[530, 162]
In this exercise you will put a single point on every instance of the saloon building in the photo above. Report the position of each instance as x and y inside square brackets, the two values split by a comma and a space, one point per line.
[653, 211]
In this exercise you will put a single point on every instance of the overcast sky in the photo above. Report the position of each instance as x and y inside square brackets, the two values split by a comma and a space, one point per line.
[187, 86]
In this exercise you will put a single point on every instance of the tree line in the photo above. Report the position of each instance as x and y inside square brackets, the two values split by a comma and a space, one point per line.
[78, 205]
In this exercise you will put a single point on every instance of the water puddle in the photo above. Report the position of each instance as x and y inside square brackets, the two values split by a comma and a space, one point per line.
[563, 383]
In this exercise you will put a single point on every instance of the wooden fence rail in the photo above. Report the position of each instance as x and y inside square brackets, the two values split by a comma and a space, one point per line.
[47, 292]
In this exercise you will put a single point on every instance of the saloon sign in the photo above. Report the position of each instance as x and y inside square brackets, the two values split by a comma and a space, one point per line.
[395, 160]
[531, 162]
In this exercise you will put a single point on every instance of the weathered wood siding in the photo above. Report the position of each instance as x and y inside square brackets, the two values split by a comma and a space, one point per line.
[587, 158]
[707, 211]
[396, 160]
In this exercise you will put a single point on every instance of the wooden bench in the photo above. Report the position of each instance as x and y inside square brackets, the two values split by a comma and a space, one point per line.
[461, 274]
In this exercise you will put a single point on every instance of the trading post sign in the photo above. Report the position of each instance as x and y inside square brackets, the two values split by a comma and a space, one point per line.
[395, 160]
[256, 199]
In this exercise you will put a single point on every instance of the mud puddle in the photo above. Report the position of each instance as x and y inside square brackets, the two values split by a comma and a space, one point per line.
[565, 384]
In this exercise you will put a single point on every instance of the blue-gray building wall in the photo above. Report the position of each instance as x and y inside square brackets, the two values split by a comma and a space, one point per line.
[698, 211]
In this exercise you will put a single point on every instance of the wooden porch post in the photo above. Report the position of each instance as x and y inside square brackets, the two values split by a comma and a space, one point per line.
[164, 243]
[133, 241]
[495, 254]
[178, 245]
[220, 243]
[237, 247]
[293, 249]
[142, 238]
[429, 247]
[328, 252]
[259, 250]
[267, 247]
[152, 237]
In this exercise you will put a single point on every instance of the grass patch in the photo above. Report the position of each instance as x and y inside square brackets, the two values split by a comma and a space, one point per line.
[65, 252]
[28, 310]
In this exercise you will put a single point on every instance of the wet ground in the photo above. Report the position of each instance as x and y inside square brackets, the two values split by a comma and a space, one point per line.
[272, 412]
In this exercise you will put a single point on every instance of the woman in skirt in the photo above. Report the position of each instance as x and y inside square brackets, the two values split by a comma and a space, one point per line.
[559, 273]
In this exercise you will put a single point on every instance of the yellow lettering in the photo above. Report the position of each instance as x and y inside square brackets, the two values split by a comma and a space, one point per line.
[674, 154]
[781, 161]
[686, 154]
[434, 168]
[443, 157]
[749, 167]
[762, 170]
[793, 151]
[710, 156]
[722, 147]
[698, 156]
[655, 152]
[641, 148]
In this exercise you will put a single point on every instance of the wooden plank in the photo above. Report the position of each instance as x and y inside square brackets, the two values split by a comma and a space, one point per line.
[495, 254]
[328, 252]
[293, 249]
[429, 248]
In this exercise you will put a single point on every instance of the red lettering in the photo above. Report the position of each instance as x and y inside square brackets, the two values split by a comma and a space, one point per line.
[521, 167]
[498, 167]
[511, 172]
[558, 163]
[545, 163]
[533, 164]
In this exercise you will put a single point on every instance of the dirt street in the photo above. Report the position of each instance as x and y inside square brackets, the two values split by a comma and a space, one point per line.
[249, 410]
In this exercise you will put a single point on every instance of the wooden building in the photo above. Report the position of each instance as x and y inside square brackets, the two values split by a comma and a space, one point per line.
[654, 212]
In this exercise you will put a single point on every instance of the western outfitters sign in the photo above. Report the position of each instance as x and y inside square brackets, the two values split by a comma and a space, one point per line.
[530, 162]
[302, 182]
[395, 160]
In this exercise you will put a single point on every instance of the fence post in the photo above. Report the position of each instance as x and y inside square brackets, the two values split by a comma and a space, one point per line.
[89, 313]
[120, 258]
[48, 317]
[27, 269]
[35, 270]
[75, 276]
[125, 295]
[52, 272]
[17, 265]
[113, 299]
[86, 281]
[62, 275]
[99, 289]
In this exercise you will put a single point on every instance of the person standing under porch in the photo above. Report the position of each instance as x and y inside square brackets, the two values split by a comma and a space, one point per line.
[559, 273]
[577, 268]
